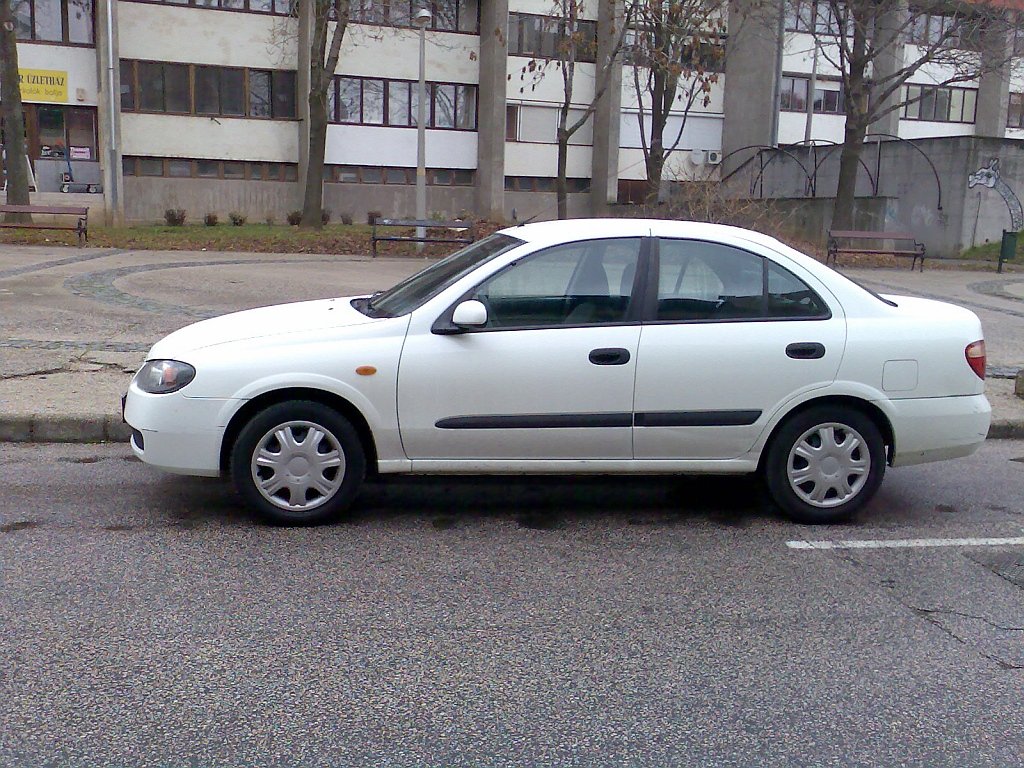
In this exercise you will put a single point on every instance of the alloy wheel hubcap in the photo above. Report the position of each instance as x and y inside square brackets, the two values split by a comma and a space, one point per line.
[828, 465]
[298, 466]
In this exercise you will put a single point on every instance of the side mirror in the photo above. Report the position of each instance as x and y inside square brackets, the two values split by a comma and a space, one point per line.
[470, 313]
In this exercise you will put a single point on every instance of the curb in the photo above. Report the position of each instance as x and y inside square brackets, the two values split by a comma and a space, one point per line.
[63, 429]
[110, 429]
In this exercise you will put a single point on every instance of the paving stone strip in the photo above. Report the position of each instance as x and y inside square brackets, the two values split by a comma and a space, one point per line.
[44, 265]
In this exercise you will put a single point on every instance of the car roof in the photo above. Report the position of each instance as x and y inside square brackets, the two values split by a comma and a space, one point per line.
[593, 229]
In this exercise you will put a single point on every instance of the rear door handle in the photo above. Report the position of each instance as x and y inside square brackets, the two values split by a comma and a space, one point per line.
[609, 356]
[806, 350]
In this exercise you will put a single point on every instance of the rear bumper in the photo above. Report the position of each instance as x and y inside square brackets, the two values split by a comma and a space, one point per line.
[937, 428]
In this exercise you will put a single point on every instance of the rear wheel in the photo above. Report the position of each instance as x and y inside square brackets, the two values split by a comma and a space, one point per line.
[298, 463]
[824, 464]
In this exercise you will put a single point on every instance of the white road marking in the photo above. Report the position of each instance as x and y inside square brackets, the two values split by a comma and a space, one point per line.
[906, 543]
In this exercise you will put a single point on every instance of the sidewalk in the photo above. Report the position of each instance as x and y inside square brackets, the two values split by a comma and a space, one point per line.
[76, 323]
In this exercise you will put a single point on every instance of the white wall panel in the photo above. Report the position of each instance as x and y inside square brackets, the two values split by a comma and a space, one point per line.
[205, 36]
[394, 53]
[371, 145]
[542, 160]
[225, 138]
[919, 129]
[700, 132]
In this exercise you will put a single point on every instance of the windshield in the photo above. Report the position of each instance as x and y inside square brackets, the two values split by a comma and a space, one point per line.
[414, 291]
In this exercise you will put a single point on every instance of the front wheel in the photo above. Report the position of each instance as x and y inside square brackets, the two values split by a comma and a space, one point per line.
[298, 463]
[824, 464]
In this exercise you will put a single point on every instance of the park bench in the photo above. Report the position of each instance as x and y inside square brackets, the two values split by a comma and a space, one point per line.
[901, 244]
[80, 223]
[459, 231]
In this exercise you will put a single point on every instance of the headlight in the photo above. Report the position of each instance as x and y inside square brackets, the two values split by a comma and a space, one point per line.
[159, 377]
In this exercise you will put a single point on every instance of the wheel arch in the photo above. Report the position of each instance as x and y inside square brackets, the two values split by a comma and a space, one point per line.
[865, 407]
[273, 397]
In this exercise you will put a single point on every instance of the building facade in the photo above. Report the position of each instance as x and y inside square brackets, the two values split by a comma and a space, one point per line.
[200, 105]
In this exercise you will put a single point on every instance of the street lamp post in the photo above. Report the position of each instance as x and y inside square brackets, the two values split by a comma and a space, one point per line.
[421, 19]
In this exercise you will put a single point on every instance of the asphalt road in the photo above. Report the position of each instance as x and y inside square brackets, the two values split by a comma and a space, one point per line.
[145, 621]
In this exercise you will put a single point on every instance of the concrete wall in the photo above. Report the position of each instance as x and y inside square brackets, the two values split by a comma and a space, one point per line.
[148, 197]
[907, 180]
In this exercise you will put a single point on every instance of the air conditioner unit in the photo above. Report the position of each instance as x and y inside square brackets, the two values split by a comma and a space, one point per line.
[714, 156]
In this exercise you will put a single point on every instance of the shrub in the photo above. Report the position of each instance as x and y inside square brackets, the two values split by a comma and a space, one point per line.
[237, 219]
[294, 218]
[373, 216]
[346, 218]
[211, 219]
[325, 216]
[175, 217]
[269, 219]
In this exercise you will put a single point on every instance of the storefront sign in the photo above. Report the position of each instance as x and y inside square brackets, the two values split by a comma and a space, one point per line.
[46, 85]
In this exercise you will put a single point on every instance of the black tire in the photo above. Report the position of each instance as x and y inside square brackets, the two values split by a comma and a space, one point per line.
[853, 464]
[297, 482]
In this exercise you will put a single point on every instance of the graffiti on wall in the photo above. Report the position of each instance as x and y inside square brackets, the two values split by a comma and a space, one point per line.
[988, 176]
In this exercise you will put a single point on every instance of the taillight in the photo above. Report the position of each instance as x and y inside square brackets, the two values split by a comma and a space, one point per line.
[975, 353]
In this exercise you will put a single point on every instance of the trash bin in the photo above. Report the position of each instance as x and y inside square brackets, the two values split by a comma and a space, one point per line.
[1007, 249]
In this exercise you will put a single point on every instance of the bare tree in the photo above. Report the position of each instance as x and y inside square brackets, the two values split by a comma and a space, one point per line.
[11, 110]
[877, 46]
[676, 49]
[323, 63]
[568, 40]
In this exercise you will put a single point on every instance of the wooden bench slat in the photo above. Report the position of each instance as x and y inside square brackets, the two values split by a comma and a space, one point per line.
[836, 235]
[463, 226]
[45, 209]
[866, 235]
[80, 225]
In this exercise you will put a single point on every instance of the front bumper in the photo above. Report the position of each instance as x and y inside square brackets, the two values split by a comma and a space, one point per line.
[178, 434]
[938, 428]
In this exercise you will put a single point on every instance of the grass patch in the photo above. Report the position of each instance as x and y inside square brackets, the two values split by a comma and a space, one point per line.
[990, 252]
[347, 239]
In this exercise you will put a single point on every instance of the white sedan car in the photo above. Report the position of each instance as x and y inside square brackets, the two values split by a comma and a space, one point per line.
[584, 346]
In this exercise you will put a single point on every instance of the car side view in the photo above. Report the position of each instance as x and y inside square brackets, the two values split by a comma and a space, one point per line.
[573, 347]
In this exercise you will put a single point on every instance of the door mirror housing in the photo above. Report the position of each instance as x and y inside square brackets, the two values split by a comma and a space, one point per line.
[472, 314]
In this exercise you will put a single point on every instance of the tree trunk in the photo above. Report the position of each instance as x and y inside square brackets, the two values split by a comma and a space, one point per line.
[313, 197]
[655, 162]
[849, 164]
[13, 115]
[561, 187]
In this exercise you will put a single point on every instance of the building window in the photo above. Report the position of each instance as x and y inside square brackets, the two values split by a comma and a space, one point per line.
[939, 104]
[276, 7]
[794, 94]
[816, 17]
[445, 15]
[511, 122]
[1015, 113]
[794, 97]
[362, 101]
[543, 184]
[153, 86]
[176, 167]
[544, 37]
[55, 21]
[352, 174]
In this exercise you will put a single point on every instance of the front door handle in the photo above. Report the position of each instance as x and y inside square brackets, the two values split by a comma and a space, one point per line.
[609, 356]
[806, 350]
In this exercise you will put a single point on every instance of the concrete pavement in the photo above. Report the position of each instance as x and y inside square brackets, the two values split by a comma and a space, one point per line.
[76, 323]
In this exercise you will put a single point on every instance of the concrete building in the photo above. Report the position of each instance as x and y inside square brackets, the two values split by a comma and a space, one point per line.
[199, 104]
